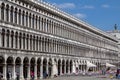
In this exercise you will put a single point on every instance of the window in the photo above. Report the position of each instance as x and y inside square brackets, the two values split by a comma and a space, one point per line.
[2, 12]
[7, 13]
[19, 16]
[11, 15]
[23, 18]
[16, 16]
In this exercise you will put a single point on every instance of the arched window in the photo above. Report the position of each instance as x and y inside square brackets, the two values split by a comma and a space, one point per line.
[8, 38]
[27, 43]
[2, 11]
[12, 39]
[11, 15]
[29, 21]
[24, 41]
[36, 21]
[26, 18]
[33, 20]
[31, 42]
[7, 13]
[42, 24]
[39, 23]
[16, 15]
[23, 18]
[20, 36]
[16, 40]
[3, 38]
[34, 43]
[19, 17]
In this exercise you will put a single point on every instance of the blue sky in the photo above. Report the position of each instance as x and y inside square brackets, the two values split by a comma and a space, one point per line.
[102, 14]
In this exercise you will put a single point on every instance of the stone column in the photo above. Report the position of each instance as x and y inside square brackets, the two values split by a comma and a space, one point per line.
[28, 21]
[35, 72]
[65, 68]
[0, 37]
[38, 44]
[61, 68]
[29, 43]
[14, 73]
[4, 13]
[13, 16]
[9, 15]
[5, 36]
[21, 18]
[0, 12]
[25, 43]
[21, 71]
[14, 41]
[28, 75]
[25, 20]
[17, 18]
[41, 69]
[22, 42]
[37, 25]
[18, 38]
[68, 68]
[4, 71]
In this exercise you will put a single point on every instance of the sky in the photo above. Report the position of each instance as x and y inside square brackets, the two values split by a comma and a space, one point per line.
[103, 14]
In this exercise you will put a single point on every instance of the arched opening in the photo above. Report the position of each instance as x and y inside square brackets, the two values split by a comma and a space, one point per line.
[7, 12]
[45, 68]
[1, 64]
[38, 67]
[63, 66]
[32, 67]
[2, 11]
[59, 66]
[17, 66]
[9, 67]
[71, 65]
[3, 37]
[25, 67]
[67, 65]
[50, 67]
[7, 37]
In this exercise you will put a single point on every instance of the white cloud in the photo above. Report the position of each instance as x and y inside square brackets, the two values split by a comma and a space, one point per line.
[88, 7]
[105, 6]
[80, 15]
[65, 5]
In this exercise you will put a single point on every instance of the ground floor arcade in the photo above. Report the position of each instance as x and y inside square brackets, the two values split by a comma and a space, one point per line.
[25, 66]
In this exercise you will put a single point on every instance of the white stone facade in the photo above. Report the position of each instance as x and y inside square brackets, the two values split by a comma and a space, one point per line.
[35, 36]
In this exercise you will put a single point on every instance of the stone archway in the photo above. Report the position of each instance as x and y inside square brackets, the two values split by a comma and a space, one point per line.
[50, 67]
[17, 66]
[71, 65]
[1, 64]
[63, 66]
[38, 67]
[59, 66]
[10, 70]
[67, 66]
[32, 67]
[25, 67]
[44, 68]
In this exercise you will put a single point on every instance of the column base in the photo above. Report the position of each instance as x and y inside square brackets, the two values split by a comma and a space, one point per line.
[41, 77]
[4, 78]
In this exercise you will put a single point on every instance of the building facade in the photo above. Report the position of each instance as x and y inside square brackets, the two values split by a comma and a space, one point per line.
[37, 37]
[116, 33]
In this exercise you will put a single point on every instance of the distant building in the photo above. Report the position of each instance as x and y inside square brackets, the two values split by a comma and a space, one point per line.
[116, 33]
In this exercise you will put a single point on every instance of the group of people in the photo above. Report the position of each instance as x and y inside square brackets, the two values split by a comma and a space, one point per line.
[9, 75]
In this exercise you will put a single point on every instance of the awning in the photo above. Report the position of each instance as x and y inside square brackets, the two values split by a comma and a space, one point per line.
[90, 64]
[110, 65]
